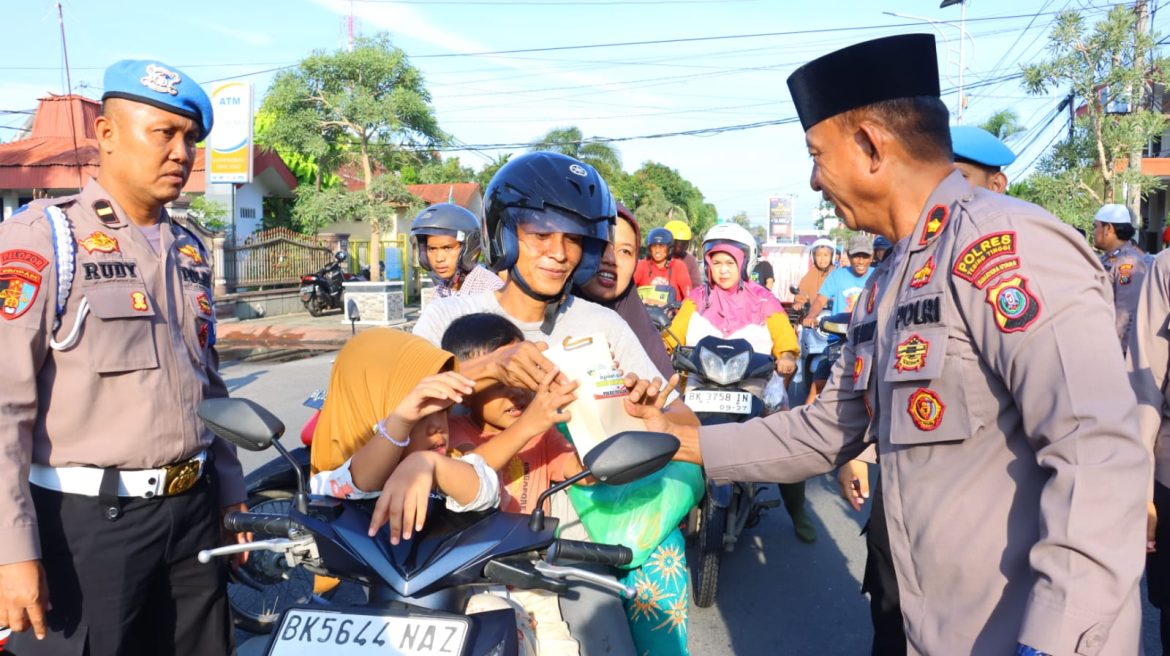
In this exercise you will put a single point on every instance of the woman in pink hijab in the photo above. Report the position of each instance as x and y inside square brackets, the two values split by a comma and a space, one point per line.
[730, 306]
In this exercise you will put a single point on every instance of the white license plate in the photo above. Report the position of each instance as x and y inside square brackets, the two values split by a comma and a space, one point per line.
[308, 289]
[305, 632]
[737, 403]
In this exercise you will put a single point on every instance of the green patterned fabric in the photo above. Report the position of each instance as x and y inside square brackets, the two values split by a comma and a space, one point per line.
[658, 613]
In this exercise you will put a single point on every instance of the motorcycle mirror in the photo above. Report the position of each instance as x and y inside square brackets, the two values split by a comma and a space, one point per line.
[241, 422]
[794, 289]
[629, 456]
[621, 459]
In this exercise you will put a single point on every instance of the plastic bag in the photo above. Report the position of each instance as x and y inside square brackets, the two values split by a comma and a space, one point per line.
[639, 515]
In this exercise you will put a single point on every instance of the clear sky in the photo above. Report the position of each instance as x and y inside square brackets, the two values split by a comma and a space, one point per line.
[615, 91]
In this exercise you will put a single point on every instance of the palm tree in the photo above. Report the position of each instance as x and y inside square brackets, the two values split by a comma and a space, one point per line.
[569, 141]
[1003, 124]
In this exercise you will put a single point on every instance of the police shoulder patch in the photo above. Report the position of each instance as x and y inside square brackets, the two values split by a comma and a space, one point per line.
[974, 261]
[1125, 273]
[22, 256]
[1014, 305]
[926, 409]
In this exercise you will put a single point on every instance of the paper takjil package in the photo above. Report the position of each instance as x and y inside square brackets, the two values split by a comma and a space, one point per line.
[599, 410]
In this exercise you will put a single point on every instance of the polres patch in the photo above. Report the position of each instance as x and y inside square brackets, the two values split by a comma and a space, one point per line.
[936, 219]
[18, 290]
[926, 409]
[1014, 305]
[979, 254]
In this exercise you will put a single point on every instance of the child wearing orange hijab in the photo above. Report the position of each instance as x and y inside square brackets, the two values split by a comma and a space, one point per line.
[383, 432]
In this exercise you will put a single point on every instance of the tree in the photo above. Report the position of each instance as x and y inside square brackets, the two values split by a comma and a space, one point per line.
[438, 172]
[209, 213]
[1065, 181]
[1110, 72]
[362, 106]
[1003, 124]
[569, 141]
[825, 209]
[760, 234]
[656, 211]
[638, 189]
[489, 170]
[380, 203]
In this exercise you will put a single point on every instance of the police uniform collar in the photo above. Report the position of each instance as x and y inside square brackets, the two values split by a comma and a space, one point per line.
[939, 210]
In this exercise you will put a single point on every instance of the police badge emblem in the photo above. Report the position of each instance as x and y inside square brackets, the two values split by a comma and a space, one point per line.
[910, 355]
[926, 409]
[18, 290]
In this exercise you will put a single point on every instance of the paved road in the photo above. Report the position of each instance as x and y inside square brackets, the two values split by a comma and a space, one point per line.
[776, 595]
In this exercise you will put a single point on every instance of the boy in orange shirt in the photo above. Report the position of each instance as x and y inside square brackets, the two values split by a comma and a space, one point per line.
[512, 429]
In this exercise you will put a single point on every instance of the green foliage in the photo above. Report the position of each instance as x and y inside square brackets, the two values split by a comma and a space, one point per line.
[379, 204]
[1003, 124]
[758, 231]
[825, 209]
[656, 211]
[644, 186]
[440, 172]
[1106, 65]
[489, 170]
[569, 141]
[209, 213]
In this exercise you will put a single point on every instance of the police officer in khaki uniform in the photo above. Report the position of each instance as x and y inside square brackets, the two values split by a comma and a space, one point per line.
[110, 482]
[1126, 265]
[1013, 480]
[1149, 358]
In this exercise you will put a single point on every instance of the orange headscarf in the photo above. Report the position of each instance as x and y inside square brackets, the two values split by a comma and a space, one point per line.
[373, 372]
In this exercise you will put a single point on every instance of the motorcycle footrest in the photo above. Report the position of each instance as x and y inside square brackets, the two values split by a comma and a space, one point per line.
[521, 573]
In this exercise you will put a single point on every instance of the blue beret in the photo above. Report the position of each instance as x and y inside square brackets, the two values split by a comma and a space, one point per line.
[902, 66]
[162, 86]
[980, 146]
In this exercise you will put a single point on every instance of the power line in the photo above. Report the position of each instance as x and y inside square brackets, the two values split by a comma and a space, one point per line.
[619, 44]
[549, 3]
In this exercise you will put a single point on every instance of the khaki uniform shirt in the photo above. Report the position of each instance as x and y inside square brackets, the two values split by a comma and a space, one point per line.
[1127, 268]
[1149, 359]
[1013, 476]
[125, 395]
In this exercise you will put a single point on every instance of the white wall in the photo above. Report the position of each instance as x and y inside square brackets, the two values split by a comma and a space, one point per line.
[248, 196]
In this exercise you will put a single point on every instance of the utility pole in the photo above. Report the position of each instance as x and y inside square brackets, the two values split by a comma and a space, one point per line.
[1133, 196]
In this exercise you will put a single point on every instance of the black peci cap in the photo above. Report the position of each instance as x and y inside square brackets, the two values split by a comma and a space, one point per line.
[900, 66]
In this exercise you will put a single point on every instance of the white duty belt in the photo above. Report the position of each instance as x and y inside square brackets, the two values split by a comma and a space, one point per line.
[142, 483]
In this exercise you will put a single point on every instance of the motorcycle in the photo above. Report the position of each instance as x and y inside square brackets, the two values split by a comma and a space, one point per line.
[262, 588]
[835, 327]
[321, 291]
[813, 343]
[419, 589]
[726, 382]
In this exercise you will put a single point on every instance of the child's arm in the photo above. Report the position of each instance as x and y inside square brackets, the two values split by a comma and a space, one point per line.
[468, 484]
[372, 464]
[541, 414]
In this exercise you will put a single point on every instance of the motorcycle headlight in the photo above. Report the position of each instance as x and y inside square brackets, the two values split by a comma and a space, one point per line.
[724, 372]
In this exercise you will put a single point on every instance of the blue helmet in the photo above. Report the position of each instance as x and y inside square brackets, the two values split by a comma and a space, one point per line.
[559, 193]
[659, 236]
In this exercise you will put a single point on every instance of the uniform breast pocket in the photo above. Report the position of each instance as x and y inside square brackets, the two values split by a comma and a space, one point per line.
[119, 336]
[928, 399]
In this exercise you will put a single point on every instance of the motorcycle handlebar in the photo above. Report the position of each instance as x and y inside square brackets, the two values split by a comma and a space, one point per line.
[587, 552]
[262, 523]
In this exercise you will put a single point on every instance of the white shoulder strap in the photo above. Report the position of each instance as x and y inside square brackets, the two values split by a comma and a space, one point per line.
[65, 256]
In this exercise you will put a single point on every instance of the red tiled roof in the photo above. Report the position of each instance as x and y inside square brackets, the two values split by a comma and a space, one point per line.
[461, 193]
[47, 159]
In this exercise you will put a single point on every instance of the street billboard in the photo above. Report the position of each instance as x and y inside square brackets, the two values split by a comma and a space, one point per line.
[229, 146]
[780, 217]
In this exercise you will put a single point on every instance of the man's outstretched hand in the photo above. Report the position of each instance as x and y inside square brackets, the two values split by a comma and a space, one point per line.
[647, 401]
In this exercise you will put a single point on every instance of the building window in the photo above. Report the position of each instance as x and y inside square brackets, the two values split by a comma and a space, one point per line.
[247, 212]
